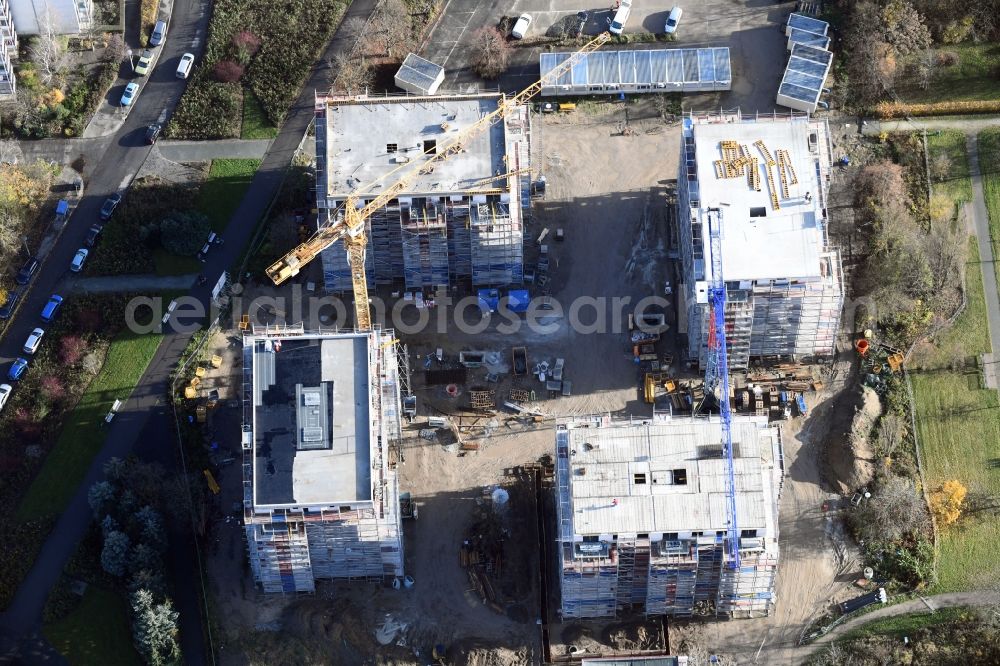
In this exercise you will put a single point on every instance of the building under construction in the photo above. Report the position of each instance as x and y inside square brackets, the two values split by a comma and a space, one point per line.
[460, 221]
[763, 180]
[643, 524]
[320, 495]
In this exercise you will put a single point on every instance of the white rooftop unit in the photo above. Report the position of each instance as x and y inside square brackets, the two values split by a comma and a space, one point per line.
[649, 71]
[805, 76]
[419, 76]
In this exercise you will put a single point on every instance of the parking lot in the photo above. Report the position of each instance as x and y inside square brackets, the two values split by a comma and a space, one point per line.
[750, 29]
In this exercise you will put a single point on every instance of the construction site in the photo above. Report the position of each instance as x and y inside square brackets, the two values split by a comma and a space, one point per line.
[784, 285]
[457, 222]
[321, 413]
[568, 493]
[642, 511]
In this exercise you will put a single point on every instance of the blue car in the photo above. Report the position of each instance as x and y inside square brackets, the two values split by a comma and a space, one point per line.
[52, 307]
[129, 94]
[17, 369]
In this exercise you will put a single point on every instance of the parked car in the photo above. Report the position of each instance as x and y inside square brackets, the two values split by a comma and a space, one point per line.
[159, 33]
[92, 235]
[184, 66]
[5, 390]
[17, 369]
[52, 307]
[672, 20]
[617, 26]
[77, 264]
[108, 209]
[521, 27]
[153, 133]
[8, 307]
[129, 94]
[145, 62]
[27, 271]
[34, 341]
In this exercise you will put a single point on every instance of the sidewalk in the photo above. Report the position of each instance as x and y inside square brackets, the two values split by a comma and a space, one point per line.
[202, 151]
[152, 284]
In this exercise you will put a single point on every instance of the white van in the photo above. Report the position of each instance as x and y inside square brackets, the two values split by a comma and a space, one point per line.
[621, 16]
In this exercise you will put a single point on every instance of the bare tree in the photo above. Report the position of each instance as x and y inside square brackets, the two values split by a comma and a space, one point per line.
[924, 68]
[47, 50]
[903, 27]
[359, 28]
[352, 74]
[116, 50]
[491, 53]
[891, 432]
[390, 29]
[895, 510]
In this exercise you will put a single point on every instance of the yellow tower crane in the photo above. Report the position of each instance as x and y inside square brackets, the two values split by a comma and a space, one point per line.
[348, 222]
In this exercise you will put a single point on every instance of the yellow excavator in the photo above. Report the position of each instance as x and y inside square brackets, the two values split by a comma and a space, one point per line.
[348, 221]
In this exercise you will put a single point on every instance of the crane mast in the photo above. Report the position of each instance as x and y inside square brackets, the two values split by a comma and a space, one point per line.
[717, 377]
[348, 221]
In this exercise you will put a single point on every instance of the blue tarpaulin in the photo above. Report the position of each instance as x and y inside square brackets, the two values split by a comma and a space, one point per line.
[518, 300]
[62, 207]
[489, 299]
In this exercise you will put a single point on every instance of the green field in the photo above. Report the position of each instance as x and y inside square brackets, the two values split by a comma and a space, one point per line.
[84, 432]
[905, 625]
[221, 194]
[255, 123]
[972, 77]
[958, 422]
[956, 185]
[95, 633]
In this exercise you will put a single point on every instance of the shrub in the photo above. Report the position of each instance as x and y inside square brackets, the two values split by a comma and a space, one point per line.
[247, 44]
[184, 232]
[154, 629]
[71, 349]
[227, 71]
[28, 427]
[148, 10]
[208, 110]
[946, 59]
[89, 319]
[53, 388]
[954, 107]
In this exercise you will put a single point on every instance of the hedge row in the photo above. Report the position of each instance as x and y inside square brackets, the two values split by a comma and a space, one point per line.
[901, 110]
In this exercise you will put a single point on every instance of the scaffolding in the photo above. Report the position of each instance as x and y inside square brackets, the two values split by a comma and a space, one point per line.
[496, 240]
[290, 547]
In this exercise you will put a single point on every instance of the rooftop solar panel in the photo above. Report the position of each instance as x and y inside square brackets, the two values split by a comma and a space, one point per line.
[804, 22]
[671, 67]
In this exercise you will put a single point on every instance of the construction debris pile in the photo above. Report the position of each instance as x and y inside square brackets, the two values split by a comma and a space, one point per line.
[482, 552]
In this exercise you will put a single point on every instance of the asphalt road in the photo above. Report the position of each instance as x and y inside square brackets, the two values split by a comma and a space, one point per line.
[115, 168]
[145, 425]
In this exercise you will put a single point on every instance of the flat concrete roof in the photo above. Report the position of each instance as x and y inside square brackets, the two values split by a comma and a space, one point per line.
[783, 243]
[332, 464]
[366, 140]
[670, 476]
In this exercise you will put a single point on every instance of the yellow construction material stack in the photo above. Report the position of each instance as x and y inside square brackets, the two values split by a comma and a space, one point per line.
[753, 176]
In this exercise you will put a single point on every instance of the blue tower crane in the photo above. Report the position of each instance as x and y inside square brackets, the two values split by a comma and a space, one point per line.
[717, 376]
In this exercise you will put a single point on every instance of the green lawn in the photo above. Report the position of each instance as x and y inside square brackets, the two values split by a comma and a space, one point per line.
[973, 77]
[905, 625]
[84, 431]
[956, 184]
[96, 632]
[255, 123]
[958, 422]
[172, 264]
[221, 194]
